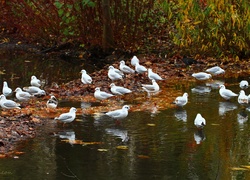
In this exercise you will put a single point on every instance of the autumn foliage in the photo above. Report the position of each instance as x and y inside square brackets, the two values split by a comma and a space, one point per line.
[202, 27]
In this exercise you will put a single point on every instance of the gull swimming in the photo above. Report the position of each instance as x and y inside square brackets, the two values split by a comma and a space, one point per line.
[52, 102]
[242, 98]
[6, 90]
[216, 70]
[154, 87]
[119, 90]
[199, 121]
[113, 74]
[152, 75]
[181, 100]
[35, 82]
[134, 60]
[67, 117]
[140, 68]
[126, 69]
[86, 79]
[201, 76]
[22, 95]
[8, 104]
[226, 93]
[36, 91]
[119, 113]
[101, 95]
[243, 84]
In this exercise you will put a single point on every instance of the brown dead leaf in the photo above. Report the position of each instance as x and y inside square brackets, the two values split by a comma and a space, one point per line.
[143, 156]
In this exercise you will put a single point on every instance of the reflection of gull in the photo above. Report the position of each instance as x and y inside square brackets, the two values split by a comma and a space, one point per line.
[242, 117]
[201, 89]
[199, 136]
[85, 105]
[181, 115]
[70, 135]
[225, 107]
[122, 134]
[215, 84]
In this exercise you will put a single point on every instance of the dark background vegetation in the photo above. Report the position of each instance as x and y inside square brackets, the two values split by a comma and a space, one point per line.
[204, 28]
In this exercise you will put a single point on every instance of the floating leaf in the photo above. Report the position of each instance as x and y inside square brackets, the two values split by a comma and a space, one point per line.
[122, 147]
[143, 156]
[238, 169]
[151, 124]
[248, 167]
[214, 124]
[102, 150]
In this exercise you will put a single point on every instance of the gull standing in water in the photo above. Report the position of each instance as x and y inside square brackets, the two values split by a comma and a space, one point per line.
[151, 88]
[35, 82]
[243, 84]
[67, 117]
[226, 93]
[242, 98]
[86, 79]
[119, 113]
[6, 90]
[8, 104]
[181, 100]
[199, 121]
[101, 95]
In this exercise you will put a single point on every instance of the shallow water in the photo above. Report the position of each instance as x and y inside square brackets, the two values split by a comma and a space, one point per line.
[161, 145]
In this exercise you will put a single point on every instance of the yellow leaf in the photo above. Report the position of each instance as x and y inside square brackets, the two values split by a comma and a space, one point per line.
[150, 124]
[197, 22]
[238, 169]
[122, 147]
[248, 167]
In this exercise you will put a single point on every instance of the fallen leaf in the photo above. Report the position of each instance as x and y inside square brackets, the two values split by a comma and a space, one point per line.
[143, 156]
[151, 124]
[122, 147]
[102, 150]
[238, 169]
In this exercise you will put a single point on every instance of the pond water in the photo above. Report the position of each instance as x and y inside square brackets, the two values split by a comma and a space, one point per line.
[162, 145]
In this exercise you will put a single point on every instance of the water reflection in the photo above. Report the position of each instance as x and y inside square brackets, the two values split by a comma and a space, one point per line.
[181, 115]
[69, 135]
[226, 106]
[201, 90]
[242, 118]
[199, 136]
[120, 133]
[215, 84]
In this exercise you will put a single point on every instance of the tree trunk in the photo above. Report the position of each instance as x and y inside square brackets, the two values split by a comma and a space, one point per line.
[107, 36]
